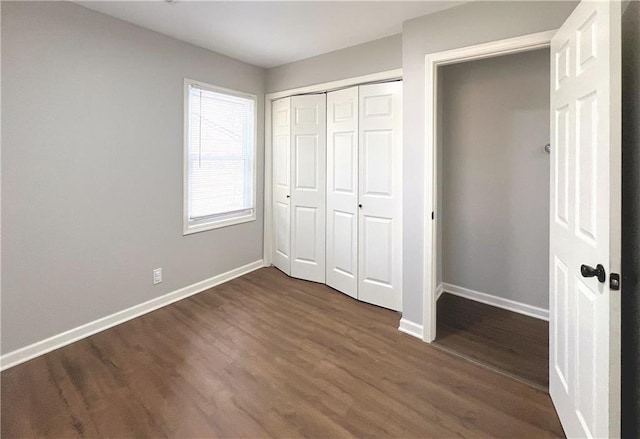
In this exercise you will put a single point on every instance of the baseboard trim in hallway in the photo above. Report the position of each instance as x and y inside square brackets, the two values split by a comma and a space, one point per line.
[500, 302]
[411, 328]
[42, 347]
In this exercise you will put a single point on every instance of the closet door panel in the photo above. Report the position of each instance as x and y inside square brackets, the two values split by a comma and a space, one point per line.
[308, 174]
[342, 191]
[281, 132]
[377, 233]
[380, 195]
[306, 243]
[306, 165]
[377, 150]
[344, 226]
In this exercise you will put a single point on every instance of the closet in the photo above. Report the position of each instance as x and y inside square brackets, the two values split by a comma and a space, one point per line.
[492, 212]
[337, 190]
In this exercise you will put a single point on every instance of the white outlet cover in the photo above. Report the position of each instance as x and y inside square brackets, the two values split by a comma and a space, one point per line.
[157, 276]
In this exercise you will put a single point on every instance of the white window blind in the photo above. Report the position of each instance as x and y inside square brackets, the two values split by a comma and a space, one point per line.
[221, 150]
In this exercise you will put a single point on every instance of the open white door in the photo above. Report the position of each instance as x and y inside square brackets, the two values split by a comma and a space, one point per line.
[281, 184]
[584, 363]
[380, 188]
[308, 186]
[342, 191]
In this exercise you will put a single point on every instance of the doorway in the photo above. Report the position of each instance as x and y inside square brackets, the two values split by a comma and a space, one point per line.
[584, 220]
[493, 216]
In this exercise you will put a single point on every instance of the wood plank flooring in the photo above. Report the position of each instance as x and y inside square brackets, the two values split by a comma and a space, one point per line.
[265, 356]
[513, 343]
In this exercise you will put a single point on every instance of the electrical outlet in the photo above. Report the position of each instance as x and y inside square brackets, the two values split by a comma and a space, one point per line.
[157, 276]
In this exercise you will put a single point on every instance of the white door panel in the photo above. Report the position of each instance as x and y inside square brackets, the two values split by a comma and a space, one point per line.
[281, 132]
[342, 191]
[344, 237]
[584, 366]
[306, 245]
[377, 233]
[380, 195]
[308, 134]
[377, 150]
[306, 164]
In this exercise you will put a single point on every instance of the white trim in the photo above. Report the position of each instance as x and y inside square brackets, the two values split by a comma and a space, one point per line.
[267, 219]
[439, 290]
[1, 171]
[218, 223]
[411, 328]
[57, 341]
[188, 228]
[348, 82]
[268, 165]
[500, 302]
[432, 62]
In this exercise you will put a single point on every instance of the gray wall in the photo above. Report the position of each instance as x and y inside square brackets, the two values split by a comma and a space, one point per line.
[92, 168]
[495, 176]
[465, 25]
[631, 221]
[372, 57]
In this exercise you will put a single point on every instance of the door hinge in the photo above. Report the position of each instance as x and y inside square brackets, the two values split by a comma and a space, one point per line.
[432, 215]
[614, 281]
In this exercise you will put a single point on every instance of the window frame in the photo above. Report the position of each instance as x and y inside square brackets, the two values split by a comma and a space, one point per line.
[224, 220]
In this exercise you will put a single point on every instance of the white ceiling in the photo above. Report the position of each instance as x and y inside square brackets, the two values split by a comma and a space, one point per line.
[268, 34]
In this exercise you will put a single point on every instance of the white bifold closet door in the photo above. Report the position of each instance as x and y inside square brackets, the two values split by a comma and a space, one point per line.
[380, 195]
[281, 116]
[308, 186]
[299, 186]
[364, 187]
[342, 191]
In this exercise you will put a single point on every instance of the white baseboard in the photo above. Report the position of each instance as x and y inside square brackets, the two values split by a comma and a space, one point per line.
[57, 341]
[411, 328]
[511, 305]
[439, 290]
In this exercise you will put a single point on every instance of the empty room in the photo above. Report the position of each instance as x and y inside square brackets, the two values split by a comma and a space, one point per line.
[319, 219]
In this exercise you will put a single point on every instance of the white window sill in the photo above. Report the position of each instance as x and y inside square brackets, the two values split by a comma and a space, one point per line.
[217, 224]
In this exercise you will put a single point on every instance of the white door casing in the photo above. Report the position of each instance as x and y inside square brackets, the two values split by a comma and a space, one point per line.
[342, 191]
[281, 132]
[584, 363]
[308, 186]
[433, 61]
[380, 195]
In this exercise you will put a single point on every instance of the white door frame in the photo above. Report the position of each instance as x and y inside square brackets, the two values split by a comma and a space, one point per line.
[268, 163]
[523, 43]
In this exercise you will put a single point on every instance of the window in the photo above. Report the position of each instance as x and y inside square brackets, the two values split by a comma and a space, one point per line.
[220, 144]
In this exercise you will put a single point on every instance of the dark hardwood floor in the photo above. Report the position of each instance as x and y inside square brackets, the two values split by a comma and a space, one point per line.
[506, 341]
[265, 356]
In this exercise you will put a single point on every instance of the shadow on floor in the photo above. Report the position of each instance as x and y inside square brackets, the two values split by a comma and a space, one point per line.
[508, 342]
